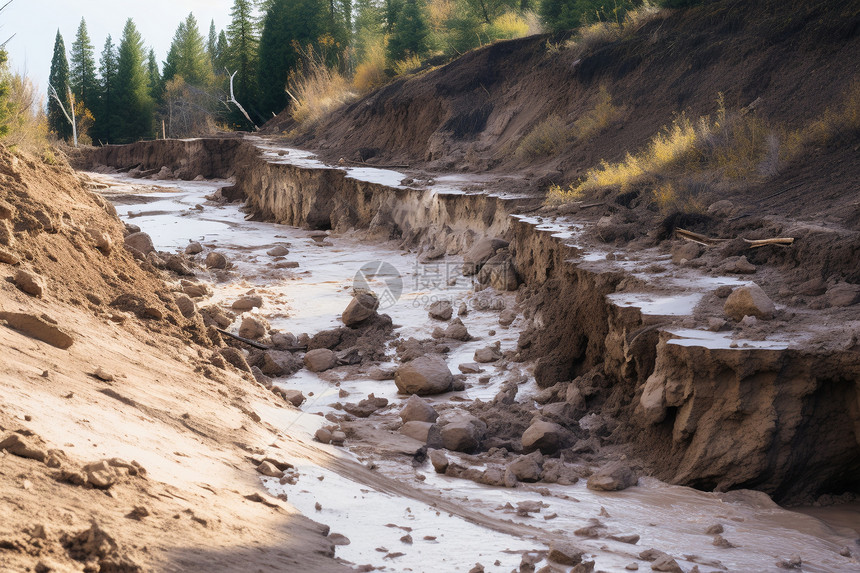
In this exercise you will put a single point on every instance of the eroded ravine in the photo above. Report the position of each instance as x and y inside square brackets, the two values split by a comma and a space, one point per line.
[602, 328]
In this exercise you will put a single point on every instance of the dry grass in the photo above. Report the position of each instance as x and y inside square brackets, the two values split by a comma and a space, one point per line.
[545, 139]
[28, 126]
[599, 117]
[316, 89]
[407, 66]
[594, 35]
[557, 195]
[370, 73]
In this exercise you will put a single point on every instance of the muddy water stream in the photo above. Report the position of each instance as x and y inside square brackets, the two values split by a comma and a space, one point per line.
[310, 297]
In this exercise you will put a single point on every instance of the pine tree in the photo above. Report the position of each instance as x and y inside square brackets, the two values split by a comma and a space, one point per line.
[59, 80]
[241, 53]
[104, 129]
[82, 75]
[5, 111]
[155, 85]
[409, 36]
[212, 45]
[222, 50]
[288, 23]
[187, 56]
[134, 106]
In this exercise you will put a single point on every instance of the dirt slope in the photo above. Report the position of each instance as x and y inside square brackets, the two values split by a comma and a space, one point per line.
[135, 389]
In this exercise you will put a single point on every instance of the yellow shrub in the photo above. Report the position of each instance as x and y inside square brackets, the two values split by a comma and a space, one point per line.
[316, 89]
[408, 65]
[546, 138]
[599, 117]
[370, 74]
[508, 25]
[558, 194]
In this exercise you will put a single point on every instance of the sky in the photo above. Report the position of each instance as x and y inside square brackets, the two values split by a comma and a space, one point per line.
[35, 24]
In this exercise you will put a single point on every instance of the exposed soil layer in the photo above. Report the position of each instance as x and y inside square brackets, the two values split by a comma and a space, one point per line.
[714, 417]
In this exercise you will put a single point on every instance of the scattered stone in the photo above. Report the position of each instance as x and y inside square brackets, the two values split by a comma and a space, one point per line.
[480, 253]
[613, 477]
[507, 317]
[366, 407]
[685, 251]
[715, 529]
[101, 240]
[723, 291]
[377, 373]
[463, 432]
[100, 474]
[525, 468]
[749, 300]
[439, 461]
[738, 265]
[320, 360]
[323, 435]
[478, 568]
[338, 438]
[812, 287]
[425, 375]
[22, 447]
[416, 430]
[268, 469]
[632, 566]
[565, 554]
[39, 327]
[667, 564]
[470, 368]
[716, 324]
[293, 396]
[362, 306]
[248, 302]
[441, 310]
[235, 357]
[215, 260]
[418, 410]
[338, 539]
[193, 248]
[8, 257]
[794, 562]
[463, 310]
[632, 539]
[843, 294]
[30, 283]
[544, 436]
[488, 354]
[140, 242]
[500, 272]
[252, 328]
[720, 541]
[7, 211]
[457, 331]
[194, 290]
[185, 304]
[102, 374]
[278, 251]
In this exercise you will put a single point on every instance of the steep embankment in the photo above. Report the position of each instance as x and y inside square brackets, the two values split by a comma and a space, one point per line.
[714, 417]
[122, 448]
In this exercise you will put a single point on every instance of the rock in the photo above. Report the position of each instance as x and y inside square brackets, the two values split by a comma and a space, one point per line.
[720, 541]
[338, 438]
[30, 283]
[185, 304]
[377, 373]
[8, 257]
[457, 331]
[794, 562]
[749, 300]
[424, 376]
[441, 310]
[843, 294]
[613, 477]
[488, 354]
[103, 374]
[544, 436]
[252, 328]
[362, 306]
[507, 317]
[100, 474]
[193, 248]
[101, 240]
[323, 435]
[268, 469]
[685, 251]
[525, 468]
[715, 324]
[293, 396]
[812, 287]
[278, 251]
[284, 340]
[632, 538]
[463, 310]
[738, 265]
[215, 260]
[723, 291]
[247, 302]
[366, 407]
[714, 529]
[23, 447]
[439, 461]
[338, 539]
[470, 368]
[480, 253]
[320, 360]
[416, 430]
[7, 211]
[39, 327]
[325, 339]
[194, 290]
[178, 265]
[500, 272]
[666, 563]
[417, 410]
[565, 554]
[462, 432]
[140, 242]
[235, 357]
[632, 566]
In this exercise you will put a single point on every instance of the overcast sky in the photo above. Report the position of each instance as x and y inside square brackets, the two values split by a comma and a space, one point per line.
[35, 24]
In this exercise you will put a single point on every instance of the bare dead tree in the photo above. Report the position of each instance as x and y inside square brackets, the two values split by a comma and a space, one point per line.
[233, 100]
[65, 113]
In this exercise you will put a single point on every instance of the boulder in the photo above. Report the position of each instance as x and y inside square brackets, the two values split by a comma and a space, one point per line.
[439, 461]
[613, 477]
[457, 331]
[268, 469]
[544, 436]
[424, 376]
[248, 302]
[500, 272]
[686, 251]
[749, 300]
[843, 294]
[362, 306]
[462, 432]
[140, 242]
[441, 310]
[185, 304]
[193, 248]
[526, 468]
[252, 328]
[8, 257]
[39, 327]
[235, 357]
[30, 283]
[320, 360]
[507, 317]
[470, 368]
[416, 430]
[488, 354]
[417, 410]
[278, 251]
[366, 407]
[480, 253]
[215, 260]
[565, 553]
[293, 396]
[101, 240]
